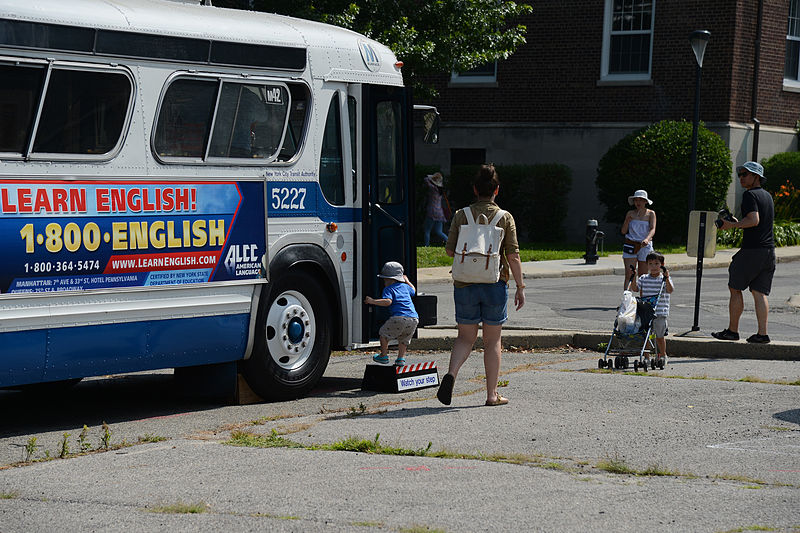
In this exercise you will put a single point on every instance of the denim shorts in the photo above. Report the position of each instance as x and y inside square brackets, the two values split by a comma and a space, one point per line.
[482, 302]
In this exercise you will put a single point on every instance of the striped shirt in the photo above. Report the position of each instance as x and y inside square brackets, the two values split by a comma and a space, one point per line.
[649, 286]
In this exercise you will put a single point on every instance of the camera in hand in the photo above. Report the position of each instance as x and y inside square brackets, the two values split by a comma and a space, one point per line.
[724, 214]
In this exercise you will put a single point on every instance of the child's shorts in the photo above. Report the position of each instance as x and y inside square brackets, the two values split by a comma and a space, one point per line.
[399, 328]
[660, 326]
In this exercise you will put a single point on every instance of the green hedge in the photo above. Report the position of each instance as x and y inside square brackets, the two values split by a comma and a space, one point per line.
[657, 159]
[786, 234]
[781, 168]
[537, 196]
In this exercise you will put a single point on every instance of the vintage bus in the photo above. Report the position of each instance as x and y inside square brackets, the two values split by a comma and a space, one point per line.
[183, 185]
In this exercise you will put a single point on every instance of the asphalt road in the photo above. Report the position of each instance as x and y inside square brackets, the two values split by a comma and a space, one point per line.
[726, 451]
[589, 303]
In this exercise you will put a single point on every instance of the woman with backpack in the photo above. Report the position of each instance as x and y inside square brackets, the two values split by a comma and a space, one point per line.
[481, 297]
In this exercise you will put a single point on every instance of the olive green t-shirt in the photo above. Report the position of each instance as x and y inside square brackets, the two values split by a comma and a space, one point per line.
[509, 244]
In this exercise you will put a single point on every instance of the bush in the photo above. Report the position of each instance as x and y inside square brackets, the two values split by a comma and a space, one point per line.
[785, 233]
[657, 159]
[782, 168]
[537, 196]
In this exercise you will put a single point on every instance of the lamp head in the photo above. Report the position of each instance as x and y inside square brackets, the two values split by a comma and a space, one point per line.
[699, 40]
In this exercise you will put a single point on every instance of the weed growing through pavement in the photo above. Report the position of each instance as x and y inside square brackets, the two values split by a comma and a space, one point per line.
[30, 449]
[251, 440]
[149, 437]
[615, 465]
[420, 529]
[357, 411]
[502, 383]
[64, 446]
[275, 516]
[8, 495]
[751, 528]
[179, 508]
[105, 439]
[83, 440]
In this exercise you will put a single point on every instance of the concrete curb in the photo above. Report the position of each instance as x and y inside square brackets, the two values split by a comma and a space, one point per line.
[677, 346]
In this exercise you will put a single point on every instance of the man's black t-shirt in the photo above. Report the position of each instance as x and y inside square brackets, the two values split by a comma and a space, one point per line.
[759, 236]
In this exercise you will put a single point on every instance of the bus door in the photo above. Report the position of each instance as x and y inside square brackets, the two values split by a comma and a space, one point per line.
[388, 194]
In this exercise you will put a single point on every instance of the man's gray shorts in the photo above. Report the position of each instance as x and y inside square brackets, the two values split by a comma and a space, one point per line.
[752, 268]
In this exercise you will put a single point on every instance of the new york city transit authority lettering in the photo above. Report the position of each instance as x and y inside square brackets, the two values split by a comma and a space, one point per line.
[59, 235]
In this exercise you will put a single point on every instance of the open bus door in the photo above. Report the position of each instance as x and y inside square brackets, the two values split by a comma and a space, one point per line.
[388, 214]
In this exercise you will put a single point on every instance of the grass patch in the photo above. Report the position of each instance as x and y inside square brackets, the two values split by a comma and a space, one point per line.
[8, 495]
[420, 529]
[368, 524]
[502, 383]
[149, 437]
[656, 470]
[615, 466]
[750, 528]
[180, 508]
[754, 379]
[742, 479]
[251, 440]
[552, 465]
[353, 444]
[435, 256]
[274, 516]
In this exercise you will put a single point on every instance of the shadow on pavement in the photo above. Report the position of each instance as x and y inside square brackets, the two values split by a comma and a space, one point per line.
[792, 415]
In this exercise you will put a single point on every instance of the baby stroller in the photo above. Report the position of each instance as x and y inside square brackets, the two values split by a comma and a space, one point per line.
[632, 331]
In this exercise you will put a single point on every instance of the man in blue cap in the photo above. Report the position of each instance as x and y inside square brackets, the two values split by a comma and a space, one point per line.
[754, 264]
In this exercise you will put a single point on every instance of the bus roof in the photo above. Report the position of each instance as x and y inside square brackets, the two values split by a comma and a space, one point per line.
[333, 53]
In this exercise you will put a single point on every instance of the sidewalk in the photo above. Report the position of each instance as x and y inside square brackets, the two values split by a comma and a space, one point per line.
[441, 339]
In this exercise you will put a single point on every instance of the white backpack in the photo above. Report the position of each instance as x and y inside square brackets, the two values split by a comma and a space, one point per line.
[477, 253]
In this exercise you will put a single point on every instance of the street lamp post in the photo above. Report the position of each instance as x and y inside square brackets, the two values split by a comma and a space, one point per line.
[699, 40]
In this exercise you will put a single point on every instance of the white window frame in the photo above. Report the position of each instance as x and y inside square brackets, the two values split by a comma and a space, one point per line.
[791, 84]
[626, 79]
[456, 78]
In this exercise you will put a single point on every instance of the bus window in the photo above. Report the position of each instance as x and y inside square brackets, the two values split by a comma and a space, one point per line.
[351, 114]
[250, 121]
[390, 185]
[20, 87]
[185, 118]
[83, 112]
[331, 175]
[296, 128]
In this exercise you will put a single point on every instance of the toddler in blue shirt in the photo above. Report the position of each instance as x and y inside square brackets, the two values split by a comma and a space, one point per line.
[401, 325]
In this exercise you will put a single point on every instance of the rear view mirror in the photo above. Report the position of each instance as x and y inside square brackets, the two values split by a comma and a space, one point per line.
[430, 123]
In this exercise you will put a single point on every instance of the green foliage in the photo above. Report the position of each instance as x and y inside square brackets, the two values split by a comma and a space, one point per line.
[83, 439]
[64, 446]
[105, 438]
[657, 159]
[429, 37]
[535, 194]
[782, 168]
[785, 233]
[30, 449]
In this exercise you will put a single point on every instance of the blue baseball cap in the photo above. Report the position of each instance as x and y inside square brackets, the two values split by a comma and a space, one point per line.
[755, 168]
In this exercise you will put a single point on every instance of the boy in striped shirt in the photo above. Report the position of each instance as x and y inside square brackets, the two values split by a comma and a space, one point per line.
[649, 284]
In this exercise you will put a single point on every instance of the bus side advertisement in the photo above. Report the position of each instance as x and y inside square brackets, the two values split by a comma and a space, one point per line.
[68, 235]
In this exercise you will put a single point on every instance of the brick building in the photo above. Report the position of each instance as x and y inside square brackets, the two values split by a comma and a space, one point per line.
[593, 71]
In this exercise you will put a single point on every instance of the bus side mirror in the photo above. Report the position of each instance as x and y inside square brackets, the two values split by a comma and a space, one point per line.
[430, 123]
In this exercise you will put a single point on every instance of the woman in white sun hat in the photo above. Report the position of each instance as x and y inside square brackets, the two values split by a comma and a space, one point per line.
[638, 228]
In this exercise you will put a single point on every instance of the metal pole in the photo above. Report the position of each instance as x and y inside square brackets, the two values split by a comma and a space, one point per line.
[701, 251]
[695, 128]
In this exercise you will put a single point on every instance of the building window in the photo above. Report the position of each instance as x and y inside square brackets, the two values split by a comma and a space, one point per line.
[485, 74]
[791, 76]
[628, 40]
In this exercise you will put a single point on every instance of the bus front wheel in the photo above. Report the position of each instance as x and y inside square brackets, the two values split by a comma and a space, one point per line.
[293, 339]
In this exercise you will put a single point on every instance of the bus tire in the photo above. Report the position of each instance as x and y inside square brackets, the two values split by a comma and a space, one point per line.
[293, 339]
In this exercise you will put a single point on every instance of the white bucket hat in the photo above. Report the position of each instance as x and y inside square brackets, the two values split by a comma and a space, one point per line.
[641, 193]
[437, 179]
[392, 270]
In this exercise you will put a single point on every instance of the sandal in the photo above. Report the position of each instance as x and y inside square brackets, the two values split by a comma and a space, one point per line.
[445, 392]
[400, 361]
[381, 359]
[499, 401]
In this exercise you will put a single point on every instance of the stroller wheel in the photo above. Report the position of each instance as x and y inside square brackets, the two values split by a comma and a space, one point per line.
[661, 364]
[625, 362]
[601, 364]
[635, 366]
[618, 362]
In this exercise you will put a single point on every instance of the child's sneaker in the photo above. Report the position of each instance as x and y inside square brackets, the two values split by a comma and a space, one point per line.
[400, 361]
[381, 359]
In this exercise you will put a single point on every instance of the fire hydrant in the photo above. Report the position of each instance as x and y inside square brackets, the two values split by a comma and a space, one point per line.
[593, 235]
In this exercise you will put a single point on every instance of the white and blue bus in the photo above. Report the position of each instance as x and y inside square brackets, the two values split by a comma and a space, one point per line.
[183, 185]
